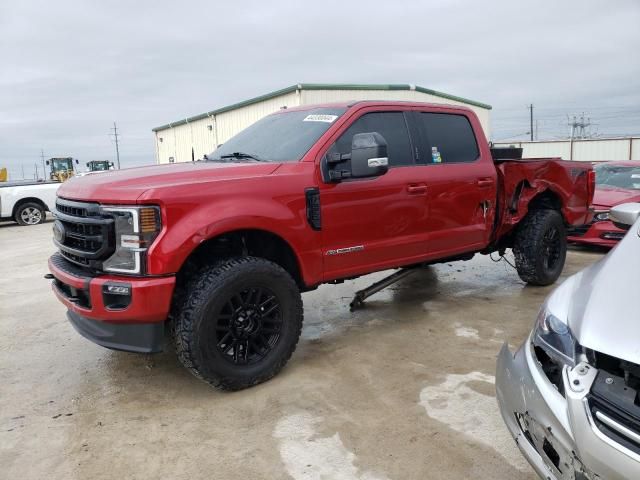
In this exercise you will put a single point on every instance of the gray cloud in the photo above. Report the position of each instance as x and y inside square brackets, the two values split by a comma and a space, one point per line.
[69, 69]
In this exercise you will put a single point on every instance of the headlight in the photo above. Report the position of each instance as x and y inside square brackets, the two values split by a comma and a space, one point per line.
[135, 230]
[553, 335]
[601, 216]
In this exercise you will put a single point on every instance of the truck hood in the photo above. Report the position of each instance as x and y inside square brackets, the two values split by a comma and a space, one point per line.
[126, 186]
[601, 301]
[607, 197]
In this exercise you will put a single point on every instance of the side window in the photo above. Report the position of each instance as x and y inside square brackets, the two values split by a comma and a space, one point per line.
[391, 125]
[449, 137]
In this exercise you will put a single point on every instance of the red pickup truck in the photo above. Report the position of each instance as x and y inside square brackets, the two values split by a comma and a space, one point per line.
[215, 253]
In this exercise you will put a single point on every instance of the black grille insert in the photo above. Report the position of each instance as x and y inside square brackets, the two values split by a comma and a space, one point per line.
[614, 400]
[83, 233]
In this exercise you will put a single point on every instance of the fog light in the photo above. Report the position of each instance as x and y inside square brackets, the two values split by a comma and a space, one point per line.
[116, 296]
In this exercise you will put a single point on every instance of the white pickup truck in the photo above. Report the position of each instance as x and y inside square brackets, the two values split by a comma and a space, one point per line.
[27, 202]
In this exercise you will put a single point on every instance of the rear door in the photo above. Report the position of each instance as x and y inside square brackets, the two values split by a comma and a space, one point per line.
[461, 184]
[373, 223]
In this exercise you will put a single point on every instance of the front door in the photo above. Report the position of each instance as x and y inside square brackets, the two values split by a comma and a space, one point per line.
[374, 223]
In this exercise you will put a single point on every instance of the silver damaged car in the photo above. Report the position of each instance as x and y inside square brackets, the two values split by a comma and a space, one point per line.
[570, 395]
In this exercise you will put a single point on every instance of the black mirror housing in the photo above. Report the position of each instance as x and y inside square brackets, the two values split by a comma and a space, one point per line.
[368, 155]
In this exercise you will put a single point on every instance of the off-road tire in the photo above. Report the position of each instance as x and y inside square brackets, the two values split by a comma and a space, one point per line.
[540, 247]
[26, 207]
[208, 293]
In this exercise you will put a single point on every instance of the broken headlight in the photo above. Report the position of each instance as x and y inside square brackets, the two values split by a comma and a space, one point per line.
[554, 337]
[135, 230]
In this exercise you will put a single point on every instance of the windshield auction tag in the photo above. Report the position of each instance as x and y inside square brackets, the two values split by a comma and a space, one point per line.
[320, 118]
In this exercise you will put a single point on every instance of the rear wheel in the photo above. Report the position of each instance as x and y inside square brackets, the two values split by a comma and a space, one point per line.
[30, 213]
[239, 322]
[540, 247]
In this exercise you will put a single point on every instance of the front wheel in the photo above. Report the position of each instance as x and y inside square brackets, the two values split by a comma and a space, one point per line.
[30, 213]
[540, 247]
[239, 322]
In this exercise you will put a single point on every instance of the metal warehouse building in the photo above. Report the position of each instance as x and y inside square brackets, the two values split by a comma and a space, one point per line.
[191, 138]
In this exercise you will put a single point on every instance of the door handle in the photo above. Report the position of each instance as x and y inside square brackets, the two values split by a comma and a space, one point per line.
[485, 182]
[417, 189]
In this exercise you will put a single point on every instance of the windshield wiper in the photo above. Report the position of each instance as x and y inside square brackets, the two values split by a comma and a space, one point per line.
[242, 155]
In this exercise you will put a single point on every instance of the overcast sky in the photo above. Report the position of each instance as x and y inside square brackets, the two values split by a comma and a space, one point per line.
[69, 69]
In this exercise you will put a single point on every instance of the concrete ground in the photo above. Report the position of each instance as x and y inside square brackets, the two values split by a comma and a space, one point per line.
[402, 389]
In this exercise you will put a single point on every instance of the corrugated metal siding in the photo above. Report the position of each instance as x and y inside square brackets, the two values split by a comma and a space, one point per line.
[230, 123]
[583, 150]
[178, 141]
[635, 149]
[310, 97]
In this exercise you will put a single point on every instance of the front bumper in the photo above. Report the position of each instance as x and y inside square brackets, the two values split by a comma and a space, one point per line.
[602, 234]
[134, 323]
[557, 435]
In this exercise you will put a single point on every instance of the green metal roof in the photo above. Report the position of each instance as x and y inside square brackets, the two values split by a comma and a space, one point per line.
[323, 86]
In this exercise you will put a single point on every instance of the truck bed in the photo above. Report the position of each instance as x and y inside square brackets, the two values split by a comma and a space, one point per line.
[521, 180]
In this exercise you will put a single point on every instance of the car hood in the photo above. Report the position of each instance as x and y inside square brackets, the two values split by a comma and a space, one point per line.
[128, 185]
[607, 197]
[601, 301]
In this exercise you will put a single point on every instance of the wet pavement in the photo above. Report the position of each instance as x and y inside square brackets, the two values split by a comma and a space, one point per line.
[401, 389]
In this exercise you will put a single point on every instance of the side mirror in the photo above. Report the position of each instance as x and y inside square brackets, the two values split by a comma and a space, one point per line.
[47, 162]
[625, 215]
[77, 161]
[368, 155]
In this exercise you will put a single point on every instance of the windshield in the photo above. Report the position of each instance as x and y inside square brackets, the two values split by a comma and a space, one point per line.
[281, 137]
[99, 167]
[627, 177]
[61, 164]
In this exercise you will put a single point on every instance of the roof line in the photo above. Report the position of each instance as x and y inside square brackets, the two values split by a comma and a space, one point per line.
[322, 86]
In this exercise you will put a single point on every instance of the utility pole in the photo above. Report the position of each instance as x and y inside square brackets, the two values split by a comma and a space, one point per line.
[44, 168]
[115, 136]
[530, 107]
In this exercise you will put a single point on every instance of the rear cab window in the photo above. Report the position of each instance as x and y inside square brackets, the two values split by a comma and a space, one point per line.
[446, 138]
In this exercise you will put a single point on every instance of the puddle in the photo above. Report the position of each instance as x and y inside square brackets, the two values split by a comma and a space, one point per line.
[466, 410]
[308, 456]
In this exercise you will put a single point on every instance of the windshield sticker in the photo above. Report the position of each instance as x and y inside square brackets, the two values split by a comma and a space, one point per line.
[320, 118]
